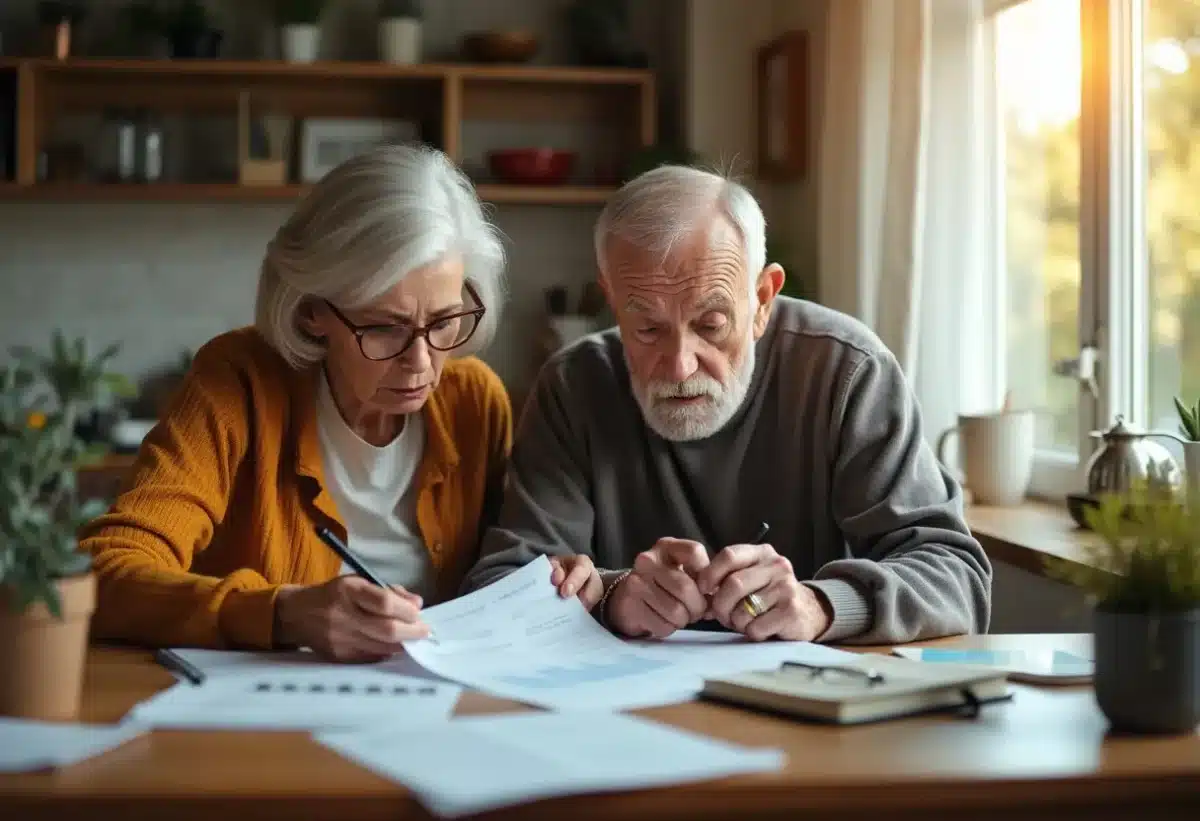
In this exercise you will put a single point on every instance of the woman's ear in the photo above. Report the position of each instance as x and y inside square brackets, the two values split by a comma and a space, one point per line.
[309, 320]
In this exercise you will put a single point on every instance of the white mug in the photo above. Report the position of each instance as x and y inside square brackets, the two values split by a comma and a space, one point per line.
[995, 451]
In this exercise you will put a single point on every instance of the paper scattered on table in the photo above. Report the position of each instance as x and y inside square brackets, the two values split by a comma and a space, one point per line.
[299, 699]
[517, 638]
[223, 662]
[474, 764]
[26, 745]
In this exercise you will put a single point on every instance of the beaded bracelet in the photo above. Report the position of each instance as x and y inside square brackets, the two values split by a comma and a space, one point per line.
[602, 605]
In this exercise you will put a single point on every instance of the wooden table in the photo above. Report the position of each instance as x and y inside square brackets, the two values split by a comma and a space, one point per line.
[1045, 754]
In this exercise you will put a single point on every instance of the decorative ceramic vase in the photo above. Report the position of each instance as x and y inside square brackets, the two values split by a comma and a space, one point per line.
[300, 42]
[42, 657]
[1147, 677]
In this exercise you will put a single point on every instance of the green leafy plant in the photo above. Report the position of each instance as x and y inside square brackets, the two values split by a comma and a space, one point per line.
[42, 398]
[81, 383]
[300, 12]
[1147, 558]
[400, 9]
[1189, 420]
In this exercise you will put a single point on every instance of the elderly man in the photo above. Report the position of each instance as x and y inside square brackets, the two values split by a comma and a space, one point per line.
[649, 456]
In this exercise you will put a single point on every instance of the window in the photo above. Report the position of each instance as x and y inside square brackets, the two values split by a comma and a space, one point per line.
[1094, 149]
[1170, 76]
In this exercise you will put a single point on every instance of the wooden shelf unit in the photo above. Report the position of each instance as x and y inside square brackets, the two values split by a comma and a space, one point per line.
[439, 97]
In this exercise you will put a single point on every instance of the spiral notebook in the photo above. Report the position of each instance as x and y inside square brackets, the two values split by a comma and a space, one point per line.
[867, 688]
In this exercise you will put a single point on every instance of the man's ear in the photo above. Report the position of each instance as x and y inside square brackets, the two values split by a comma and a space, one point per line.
[770, 283]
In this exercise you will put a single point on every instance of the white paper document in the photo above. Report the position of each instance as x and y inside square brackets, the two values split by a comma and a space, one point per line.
[517, 638]
[299, 699]
[215, 663]
[474, 764]
[26, 745]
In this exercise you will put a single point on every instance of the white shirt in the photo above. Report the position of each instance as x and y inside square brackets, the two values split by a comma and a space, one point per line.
[374, 492]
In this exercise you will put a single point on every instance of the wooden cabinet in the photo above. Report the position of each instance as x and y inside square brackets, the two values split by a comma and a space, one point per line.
[439, 98]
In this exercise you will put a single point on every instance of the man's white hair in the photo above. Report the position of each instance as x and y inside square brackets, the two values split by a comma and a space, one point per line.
[365, 226]
[658, 209]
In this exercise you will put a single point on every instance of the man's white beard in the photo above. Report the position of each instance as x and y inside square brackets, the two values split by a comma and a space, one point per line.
[700, 419]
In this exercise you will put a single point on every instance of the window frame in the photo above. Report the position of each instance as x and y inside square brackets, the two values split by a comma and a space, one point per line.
[1113, 315]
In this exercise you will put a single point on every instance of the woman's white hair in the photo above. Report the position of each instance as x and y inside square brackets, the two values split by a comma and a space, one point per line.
[365, 226]
[659, 208]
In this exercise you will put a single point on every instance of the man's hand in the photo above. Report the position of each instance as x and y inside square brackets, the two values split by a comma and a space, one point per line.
[577, 574]
[348, 619]
[793, 611]
[660, 595]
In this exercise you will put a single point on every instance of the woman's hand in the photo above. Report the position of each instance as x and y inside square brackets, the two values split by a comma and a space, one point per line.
[577, 574]
[348, 619]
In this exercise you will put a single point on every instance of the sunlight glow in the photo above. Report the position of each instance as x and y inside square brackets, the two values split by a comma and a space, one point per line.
[1040, 62]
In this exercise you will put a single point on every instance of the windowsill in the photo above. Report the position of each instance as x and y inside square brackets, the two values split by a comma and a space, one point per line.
[1027, 535]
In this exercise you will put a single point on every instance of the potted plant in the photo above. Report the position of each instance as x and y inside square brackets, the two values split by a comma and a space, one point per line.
[145, 23]
[1189, 429]
[400, 31]
[47, 590]
[1143, 577]
[189, 31]
[299, 29]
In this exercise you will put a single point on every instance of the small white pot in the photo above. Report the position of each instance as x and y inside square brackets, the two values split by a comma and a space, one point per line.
[400, 41]
[300, 42]
[1191, 464]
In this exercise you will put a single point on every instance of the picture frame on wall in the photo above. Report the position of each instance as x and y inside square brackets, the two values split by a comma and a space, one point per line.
[326, 142]
[781, 91]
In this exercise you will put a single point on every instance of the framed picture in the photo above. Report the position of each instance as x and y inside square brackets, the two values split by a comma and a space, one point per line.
[781, 89]
[327, 142]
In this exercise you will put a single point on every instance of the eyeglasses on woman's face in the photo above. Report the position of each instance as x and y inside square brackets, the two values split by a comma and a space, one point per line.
[445, 333]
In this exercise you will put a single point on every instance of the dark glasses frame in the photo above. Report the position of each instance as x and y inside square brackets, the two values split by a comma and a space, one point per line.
[418, 331]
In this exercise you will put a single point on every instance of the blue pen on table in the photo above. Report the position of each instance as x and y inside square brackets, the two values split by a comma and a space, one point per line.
[178, 664]
[339, 547]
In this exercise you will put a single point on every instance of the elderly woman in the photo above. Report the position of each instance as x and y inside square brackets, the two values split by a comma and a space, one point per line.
[352, 404]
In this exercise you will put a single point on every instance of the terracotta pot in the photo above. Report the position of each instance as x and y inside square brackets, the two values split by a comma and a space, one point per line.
[41, 657]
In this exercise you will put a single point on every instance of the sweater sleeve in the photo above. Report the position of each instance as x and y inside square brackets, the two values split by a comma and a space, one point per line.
[916, 572]
[547, 506]
[497, 427]
[143, 547]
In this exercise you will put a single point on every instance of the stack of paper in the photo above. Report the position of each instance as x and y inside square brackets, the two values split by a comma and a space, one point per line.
[282, 698]
[517, 638]
[27, 745]
[474, 764]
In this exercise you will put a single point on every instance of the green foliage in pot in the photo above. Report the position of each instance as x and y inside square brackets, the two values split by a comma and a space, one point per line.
[1147, 559]
[299, 12]
[400, 10]
[1189, 420]
[42, 397]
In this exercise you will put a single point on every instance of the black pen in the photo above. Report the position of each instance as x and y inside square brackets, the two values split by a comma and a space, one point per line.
[178, 664]
[340, 548]
[762, 533]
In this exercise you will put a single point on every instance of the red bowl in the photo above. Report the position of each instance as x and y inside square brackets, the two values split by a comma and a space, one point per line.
[531, 166]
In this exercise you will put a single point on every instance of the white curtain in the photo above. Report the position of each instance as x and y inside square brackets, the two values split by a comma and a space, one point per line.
[903, 239]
